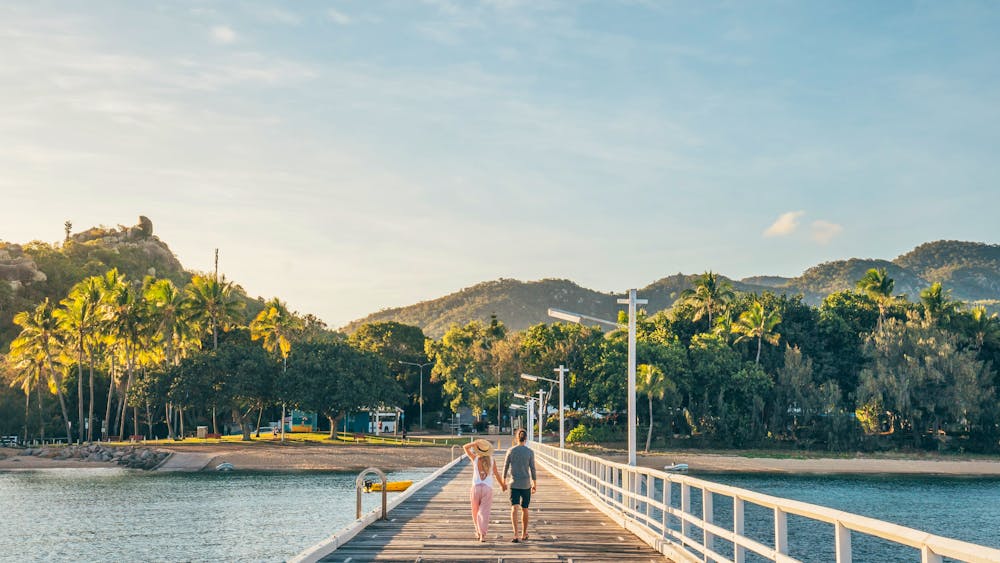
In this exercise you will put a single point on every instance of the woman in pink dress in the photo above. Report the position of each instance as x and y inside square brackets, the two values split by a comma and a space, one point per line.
[484, 475]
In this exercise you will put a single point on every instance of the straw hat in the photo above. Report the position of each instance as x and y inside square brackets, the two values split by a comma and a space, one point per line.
[482, 448]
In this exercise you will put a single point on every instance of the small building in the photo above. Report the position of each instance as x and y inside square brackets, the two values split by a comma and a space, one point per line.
[301, 421]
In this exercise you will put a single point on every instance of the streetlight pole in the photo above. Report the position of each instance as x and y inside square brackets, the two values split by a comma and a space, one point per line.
[577, 318]
[421, 400]
[561, 370]
[631, 301]
[530, 407]
[562, 419]
[541, 414]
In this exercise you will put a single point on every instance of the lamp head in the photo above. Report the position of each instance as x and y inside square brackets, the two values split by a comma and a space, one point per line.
[564, 315]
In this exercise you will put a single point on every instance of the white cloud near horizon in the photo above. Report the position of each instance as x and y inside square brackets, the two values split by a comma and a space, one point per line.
[786, 224]
[338, 17]
[223, 34]
[824, 231]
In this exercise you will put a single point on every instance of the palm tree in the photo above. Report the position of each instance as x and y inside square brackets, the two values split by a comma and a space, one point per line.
[275, 326]
[984, 326]
[41, 337]
[937, 303]
[110, 284]
[755, 323]
[28, 375]
[212, 305]
[168, 316]
[708, 296]
[126, 318]
[877, 284]
[78, 318]
[653, 383]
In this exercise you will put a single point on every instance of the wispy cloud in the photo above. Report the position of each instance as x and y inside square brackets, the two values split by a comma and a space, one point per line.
[338, 17]
[223, 34]
[824, 231]
[277, 15]
[786, 224]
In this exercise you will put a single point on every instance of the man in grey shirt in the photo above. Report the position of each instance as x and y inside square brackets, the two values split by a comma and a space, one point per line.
[519, 464]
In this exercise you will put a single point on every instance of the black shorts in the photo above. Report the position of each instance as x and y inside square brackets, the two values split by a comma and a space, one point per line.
[520, 497]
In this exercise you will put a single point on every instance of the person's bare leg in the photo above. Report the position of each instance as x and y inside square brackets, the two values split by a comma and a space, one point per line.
[524, 523]
[514, 519]
[475, 513]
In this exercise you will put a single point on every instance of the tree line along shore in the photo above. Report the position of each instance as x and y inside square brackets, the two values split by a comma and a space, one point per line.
[866, 370]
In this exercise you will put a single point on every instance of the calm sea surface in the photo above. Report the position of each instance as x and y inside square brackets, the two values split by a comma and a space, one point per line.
[962, 508]
[121, 515]
[124, 515]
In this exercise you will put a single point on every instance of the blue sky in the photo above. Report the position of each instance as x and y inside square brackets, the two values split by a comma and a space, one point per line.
[351, 156]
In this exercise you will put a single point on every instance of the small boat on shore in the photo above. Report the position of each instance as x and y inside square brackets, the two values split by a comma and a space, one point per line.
[391, 486]
[676, 467]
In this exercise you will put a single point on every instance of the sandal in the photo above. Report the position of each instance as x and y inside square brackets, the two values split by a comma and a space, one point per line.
[515, 540]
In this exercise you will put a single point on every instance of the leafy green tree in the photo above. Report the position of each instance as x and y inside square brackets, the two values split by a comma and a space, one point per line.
[544, 347]
[742, 413]
[920, 374]
[755, 323]
[334, 379]
[709, 296]
[713, 364]
[41, 337]
[845, 319]
[400, 345]
[462, 361]
[796, 400]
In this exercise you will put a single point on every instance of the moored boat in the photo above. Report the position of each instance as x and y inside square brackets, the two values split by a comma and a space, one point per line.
[391, 486]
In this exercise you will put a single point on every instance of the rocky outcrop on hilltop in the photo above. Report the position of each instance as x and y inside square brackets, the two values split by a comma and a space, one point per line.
[16, 268]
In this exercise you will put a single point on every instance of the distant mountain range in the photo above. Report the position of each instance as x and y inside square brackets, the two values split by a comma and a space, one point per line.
[971, 270]
[34, 271]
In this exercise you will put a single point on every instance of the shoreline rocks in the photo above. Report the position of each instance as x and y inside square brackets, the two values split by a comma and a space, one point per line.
[132, 457]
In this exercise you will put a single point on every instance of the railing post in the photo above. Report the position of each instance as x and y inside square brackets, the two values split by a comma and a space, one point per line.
[842, 535]
[707, 517]
[685, 508]
[780, 531]
[739, 552]
[666, 506]
[928, 556]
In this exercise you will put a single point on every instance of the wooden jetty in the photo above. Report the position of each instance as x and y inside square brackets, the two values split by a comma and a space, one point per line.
[435, 524]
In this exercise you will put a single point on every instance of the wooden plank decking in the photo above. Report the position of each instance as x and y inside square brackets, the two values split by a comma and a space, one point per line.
[436, 525]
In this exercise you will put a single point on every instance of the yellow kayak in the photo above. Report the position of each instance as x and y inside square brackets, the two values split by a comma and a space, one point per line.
[391, 486]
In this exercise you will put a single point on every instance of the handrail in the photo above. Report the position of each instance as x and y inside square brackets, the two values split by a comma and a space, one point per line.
[359, 484]
[630, 495]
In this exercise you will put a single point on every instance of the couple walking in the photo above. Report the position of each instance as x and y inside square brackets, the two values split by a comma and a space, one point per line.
[518, 467]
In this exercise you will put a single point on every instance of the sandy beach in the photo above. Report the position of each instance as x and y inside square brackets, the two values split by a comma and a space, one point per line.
[261, 456]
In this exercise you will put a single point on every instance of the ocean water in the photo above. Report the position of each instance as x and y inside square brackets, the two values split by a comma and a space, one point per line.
[128, 515]
[124, 515]
[962, 508]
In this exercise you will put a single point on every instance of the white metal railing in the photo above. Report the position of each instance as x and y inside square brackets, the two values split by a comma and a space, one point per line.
[642, 500]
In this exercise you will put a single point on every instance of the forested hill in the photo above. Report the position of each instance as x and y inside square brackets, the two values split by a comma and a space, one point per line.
[970, 270]
[34, 271]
